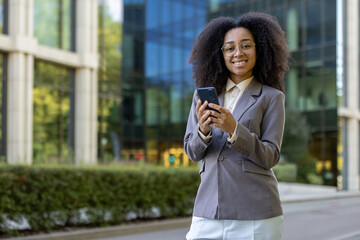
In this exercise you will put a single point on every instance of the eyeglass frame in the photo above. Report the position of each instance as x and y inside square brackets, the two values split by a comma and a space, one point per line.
[238, 46]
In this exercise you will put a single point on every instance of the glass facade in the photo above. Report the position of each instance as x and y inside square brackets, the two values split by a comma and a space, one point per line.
[54, 23]
[53, 116]
[157, 86]
[109, 81]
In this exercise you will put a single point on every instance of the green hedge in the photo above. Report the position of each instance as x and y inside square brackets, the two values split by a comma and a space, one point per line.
[55, 197]
[286, 172]
[48, 198]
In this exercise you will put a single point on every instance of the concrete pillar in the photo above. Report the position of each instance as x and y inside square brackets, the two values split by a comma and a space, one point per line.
[86, 83]
[20, 82]
[350, 110]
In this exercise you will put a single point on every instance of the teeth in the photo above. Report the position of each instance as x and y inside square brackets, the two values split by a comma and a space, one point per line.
[239, 63]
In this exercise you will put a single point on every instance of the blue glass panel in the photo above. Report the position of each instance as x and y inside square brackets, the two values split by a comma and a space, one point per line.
[279, 14]
[152, 59]
[176, 10]
[189, 10]
[152, 14]
[275, 3]
[313, 22]
[189, 29]
[186, 53]
[201, 11]
[177, 33]
[165, 12]
[165, 59]
[177, 60]
[330, 20]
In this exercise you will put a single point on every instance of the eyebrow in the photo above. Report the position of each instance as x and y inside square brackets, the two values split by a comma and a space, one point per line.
[246, 39]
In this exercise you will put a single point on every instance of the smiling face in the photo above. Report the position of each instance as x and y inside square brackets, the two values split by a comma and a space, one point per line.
[241, 62]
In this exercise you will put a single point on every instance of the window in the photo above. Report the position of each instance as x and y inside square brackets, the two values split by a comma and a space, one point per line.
[109, 74]
[54, 22]
[53, 118]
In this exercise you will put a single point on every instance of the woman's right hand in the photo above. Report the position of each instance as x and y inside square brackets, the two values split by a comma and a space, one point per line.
[203, 116]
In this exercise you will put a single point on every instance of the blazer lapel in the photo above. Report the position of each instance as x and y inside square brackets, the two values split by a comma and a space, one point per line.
[247, 99]
[245, 102]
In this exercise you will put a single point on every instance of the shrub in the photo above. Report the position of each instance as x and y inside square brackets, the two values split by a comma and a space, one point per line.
[54, 197]
[315, 179]
[285, 172]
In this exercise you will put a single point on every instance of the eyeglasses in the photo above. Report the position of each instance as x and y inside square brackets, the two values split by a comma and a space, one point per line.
[245, 46]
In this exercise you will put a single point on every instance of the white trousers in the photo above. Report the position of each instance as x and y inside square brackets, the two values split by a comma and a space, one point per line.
[218, 229]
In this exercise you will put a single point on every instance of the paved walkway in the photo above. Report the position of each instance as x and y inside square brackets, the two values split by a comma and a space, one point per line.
[289, 192]
[294, 192]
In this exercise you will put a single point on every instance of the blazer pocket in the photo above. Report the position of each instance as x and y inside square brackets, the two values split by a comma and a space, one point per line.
[248, 166]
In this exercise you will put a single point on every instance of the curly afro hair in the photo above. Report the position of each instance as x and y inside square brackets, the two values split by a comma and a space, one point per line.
[209, 67]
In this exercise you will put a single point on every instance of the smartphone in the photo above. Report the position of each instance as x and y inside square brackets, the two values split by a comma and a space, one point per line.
[208, 94]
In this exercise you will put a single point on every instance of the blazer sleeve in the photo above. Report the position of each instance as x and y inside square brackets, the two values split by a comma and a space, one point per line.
[195, 148]
[264, 150]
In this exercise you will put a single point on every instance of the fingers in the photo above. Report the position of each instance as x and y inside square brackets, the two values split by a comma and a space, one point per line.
[200, 108]
[217, 107]
[204, 123]
[204, 117]
[206, 120]
[198, 105]
[224, 120]
[203, 106]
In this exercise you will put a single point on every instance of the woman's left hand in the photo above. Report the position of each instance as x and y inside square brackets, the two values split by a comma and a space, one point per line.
[224, 120]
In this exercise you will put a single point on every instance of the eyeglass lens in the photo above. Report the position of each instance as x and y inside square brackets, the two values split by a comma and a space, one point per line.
[245, 47]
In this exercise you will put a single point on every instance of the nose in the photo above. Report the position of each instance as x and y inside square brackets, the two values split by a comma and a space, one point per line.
[238, 51]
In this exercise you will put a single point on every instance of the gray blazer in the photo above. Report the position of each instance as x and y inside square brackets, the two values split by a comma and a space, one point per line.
[237, 181]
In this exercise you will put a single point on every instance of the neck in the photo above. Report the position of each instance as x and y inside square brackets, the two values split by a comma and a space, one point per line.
[238, 80]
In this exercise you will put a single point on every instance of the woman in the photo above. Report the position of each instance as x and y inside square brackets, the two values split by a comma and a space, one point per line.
[245, 59]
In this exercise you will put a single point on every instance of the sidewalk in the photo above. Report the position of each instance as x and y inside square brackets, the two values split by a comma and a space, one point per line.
[295, 192]
[289, 192]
